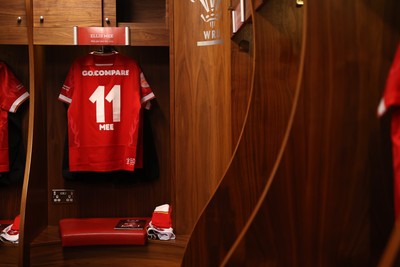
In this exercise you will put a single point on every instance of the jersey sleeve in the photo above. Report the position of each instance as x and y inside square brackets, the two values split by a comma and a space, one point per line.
[13, 93]
[391, 95]
[67, 89]
[146, 93]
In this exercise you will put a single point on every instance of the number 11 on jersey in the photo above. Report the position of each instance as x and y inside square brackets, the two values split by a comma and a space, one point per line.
[114, 97]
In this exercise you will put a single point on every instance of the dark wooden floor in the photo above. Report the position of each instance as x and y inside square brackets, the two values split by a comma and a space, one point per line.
[9, 254]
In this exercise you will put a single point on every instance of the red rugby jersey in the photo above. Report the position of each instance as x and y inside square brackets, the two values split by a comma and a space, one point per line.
[12, 94]
[106, 93]
[391, 98]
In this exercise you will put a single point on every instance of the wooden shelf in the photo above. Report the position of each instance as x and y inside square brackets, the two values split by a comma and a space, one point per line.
[13, 23]
[14, 35]
[147, 34]
[141, 34]
[46, 250]
[58, 36]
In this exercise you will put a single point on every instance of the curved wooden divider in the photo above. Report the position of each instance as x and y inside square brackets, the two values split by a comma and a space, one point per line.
[322, 208]
[276, 71]
[390, 255]
[242, 252]
[34, 193]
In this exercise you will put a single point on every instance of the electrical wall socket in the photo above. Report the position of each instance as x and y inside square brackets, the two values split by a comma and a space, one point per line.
[63, 196]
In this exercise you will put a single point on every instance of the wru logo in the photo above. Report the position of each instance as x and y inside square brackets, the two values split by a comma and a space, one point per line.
[212, 15]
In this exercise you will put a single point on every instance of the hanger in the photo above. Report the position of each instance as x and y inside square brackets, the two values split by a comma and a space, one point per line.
[105, 50]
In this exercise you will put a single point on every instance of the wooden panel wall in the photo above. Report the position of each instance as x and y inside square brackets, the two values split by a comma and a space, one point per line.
[277, 56]
[329, 203]
[202, 111]
[13, 20]
[242, 74]
[141, 11]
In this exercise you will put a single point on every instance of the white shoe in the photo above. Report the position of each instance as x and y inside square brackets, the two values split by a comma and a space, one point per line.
[9, 234]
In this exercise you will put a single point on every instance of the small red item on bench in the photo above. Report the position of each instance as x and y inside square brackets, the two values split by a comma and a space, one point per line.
[99, 231]
[161, 217]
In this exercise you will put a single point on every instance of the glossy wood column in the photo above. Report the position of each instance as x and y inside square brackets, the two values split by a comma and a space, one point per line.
[280, 43]
[202, 142]
[34, 193]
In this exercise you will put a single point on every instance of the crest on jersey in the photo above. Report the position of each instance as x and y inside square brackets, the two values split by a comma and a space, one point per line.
[143, 82]
[211, 16]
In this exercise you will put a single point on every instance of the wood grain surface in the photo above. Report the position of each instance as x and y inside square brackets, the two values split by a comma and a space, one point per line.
[329, 203]
[277, 57]
[13, 35]
[202, 140]
[148, 34]
[241, 78]
[331, 175]
[142, 11]
[67, 13]
[9, 13]
[319, 210]
[13, 30]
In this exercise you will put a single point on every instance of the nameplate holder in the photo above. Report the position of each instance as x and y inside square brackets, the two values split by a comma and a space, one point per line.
[101, 36]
